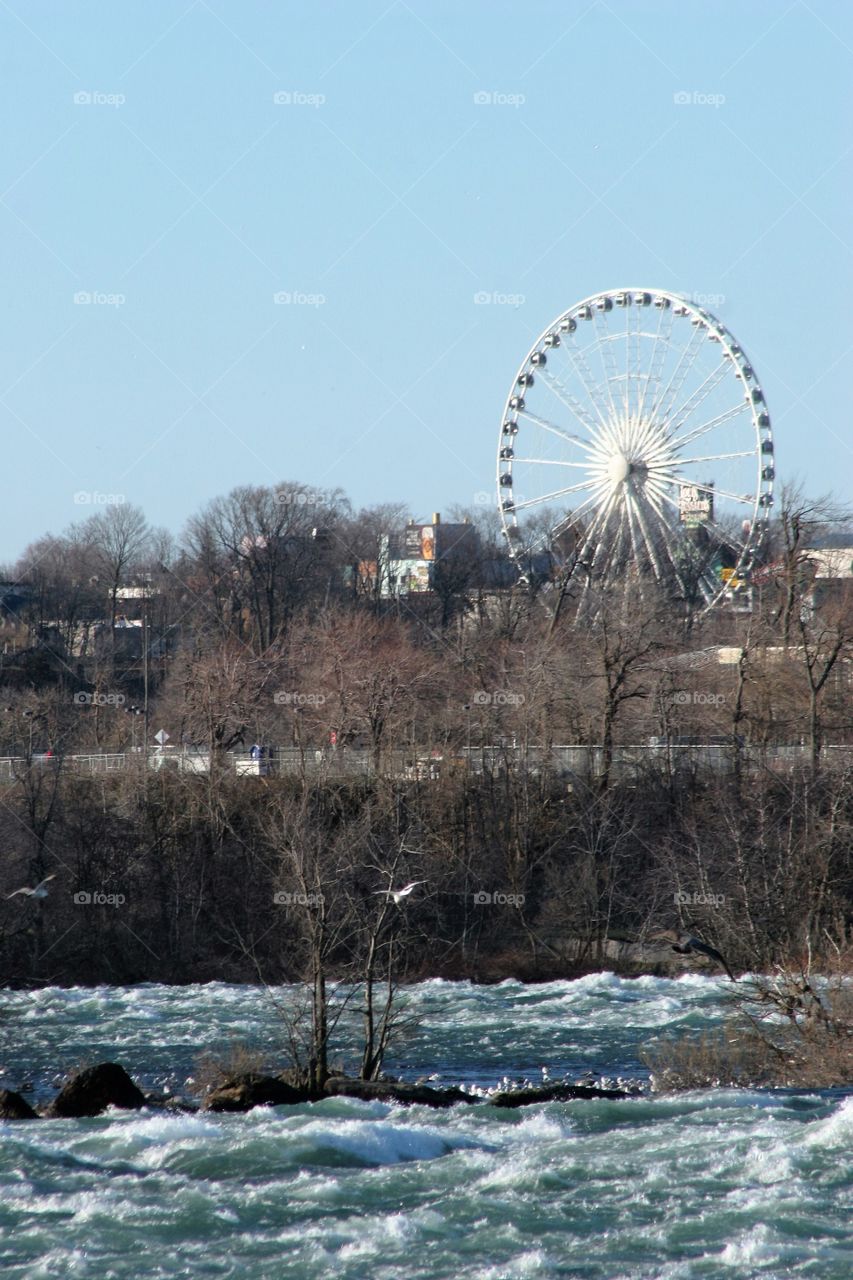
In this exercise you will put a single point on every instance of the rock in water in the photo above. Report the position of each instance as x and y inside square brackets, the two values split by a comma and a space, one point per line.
[14, 1107]
[553, 1093]
[396, 1091]
[91, 1091]
[250, 1089]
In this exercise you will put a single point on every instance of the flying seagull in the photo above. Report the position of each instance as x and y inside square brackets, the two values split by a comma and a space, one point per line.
[38, 892]
[686, 944]
[399, 894]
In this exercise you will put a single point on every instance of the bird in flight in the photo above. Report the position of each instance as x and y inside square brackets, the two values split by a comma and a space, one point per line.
[686, 944]
[399, 894]
[38, 892]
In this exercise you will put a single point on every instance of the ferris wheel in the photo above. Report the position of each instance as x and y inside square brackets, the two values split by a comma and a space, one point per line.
[635, 445]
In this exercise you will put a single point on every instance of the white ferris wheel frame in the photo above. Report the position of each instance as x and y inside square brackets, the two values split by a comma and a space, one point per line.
[613, 448]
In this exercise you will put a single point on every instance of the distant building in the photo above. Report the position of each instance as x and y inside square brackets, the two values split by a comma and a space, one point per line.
[409, 558]
[832, 556]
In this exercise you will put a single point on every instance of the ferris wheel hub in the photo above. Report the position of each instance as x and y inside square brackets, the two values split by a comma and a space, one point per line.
[618, 469]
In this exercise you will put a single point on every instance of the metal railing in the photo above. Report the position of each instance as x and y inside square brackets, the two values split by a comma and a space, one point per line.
[422, 765]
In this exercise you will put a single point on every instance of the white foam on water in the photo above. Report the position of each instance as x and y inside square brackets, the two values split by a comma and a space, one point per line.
[834, 1131]
[528, 1148]
[61, 1262]
[373, 1142]
[392, 1232]
[539, 1127]
[754, 1247]
[535, 1262]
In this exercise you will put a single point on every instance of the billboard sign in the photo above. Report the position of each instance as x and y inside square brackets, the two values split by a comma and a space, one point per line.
[695, 505]
[419, 542]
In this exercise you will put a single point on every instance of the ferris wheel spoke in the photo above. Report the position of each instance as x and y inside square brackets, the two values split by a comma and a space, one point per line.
[710, 425]
[596, 524]
[714, 531]
[594, 500]
[585, 374]
[551, 462]
[567, 523]
[689, 356]
[700, 395]
[551, 497]
[746, 499]
[656, 362]
[607, 540]
[651, 549]
[604, 349]
[666, 539]
[546, 425]
[570, 519]
[713, 457]
[632, 336]
[632, 526]
[708, 583]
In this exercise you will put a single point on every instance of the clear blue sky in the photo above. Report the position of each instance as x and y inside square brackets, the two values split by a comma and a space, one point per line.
[382, 197]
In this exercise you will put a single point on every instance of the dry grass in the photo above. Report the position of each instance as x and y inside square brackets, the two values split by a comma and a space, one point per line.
[787, 1029]
[213, 1070]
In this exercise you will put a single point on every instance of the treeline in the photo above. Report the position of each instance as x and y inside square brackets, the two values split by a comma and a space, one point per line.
[180, 878]
[266, 624]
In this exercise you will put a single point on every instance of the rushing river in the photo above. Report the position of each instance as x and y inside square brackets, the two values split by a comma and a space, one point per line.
[708, 1184]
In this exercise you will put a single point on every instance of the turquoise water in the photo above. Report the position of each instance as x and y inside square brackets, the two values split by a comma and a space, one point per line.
[707, 1184]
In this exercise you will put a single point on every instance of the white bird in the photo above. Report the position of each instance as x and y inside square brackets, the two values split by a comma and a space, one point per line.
[399, 894]
[38, 892]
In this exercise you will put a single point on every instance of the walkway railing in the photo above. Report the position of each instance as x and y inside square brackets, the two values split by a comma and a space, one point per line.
[422, 765]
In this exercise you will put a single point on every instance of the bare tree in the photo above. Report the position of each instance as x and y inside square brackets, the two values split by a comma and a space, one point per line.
[118, 537]
[267, 552]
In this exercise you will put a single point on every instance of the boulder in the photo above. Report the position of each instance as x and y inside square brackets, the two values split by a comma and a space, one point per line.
[553, 1093]
[14, 1107]
[387, 1091]
[250, 1089]
[166, 1102]
[91, 1091]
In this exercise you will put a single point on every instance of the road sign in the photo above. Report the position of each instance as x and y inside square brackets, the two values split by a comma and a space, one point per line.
[162, 737]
